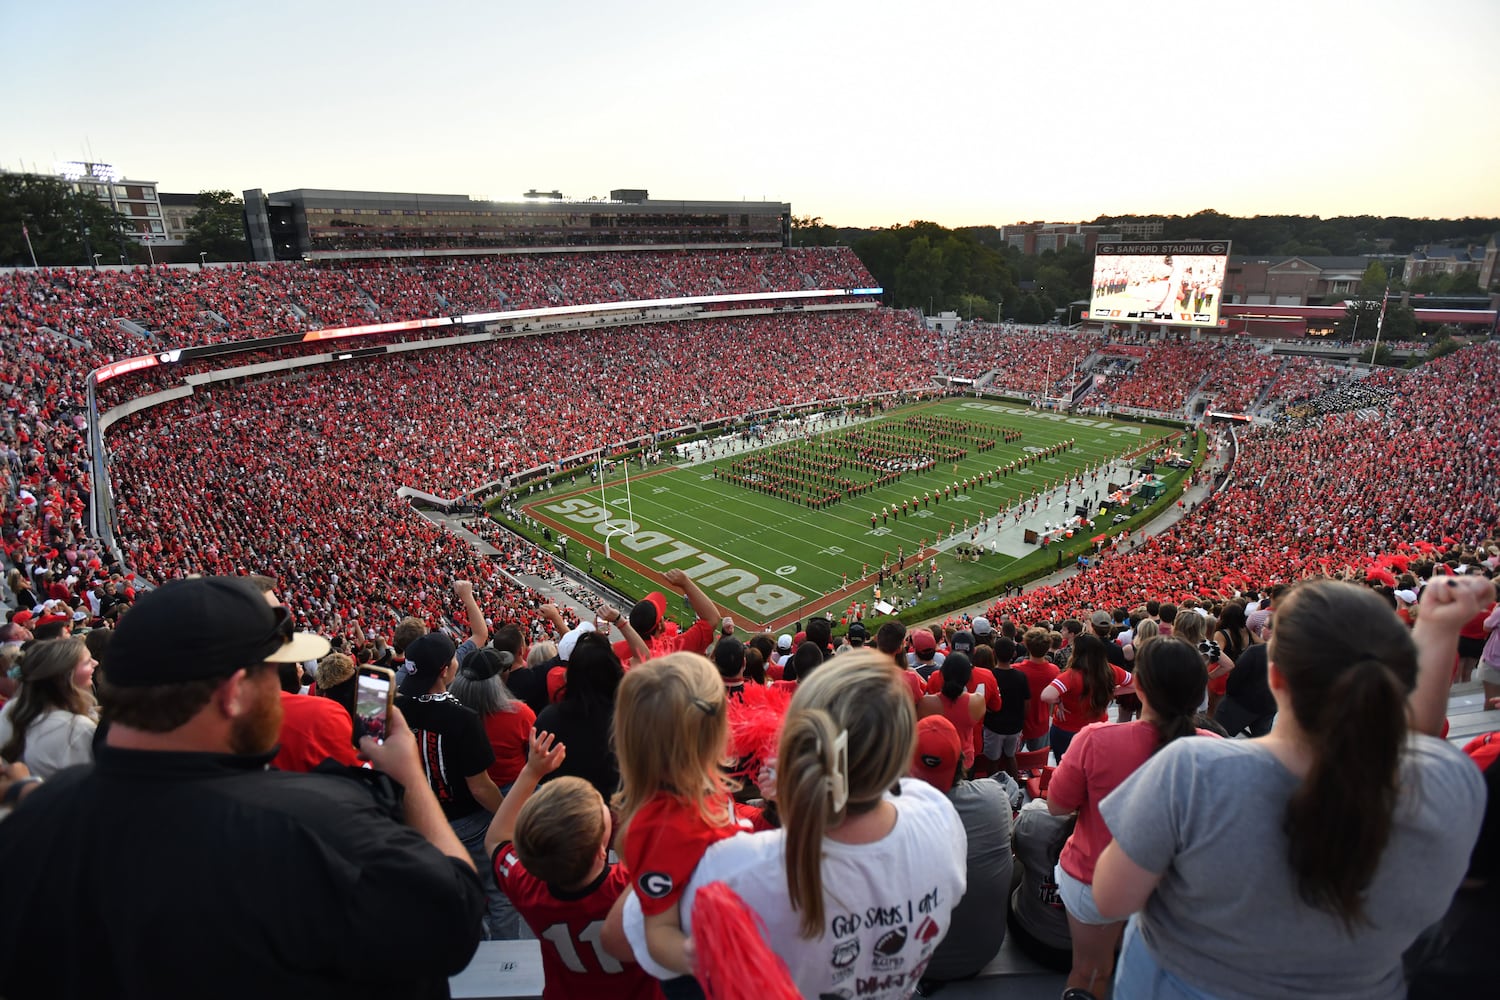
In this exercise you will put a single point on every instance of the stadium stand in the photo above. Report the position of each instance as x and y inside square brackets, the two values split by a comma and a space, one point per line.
[1022, 356]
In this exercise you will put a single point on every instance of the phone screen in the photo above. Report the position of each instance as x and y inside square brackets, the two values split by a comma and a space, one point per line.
[373, 697]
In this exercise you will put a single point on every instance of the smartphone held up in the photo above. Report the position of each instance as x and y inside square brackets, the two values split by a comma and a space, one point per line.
[374, 695]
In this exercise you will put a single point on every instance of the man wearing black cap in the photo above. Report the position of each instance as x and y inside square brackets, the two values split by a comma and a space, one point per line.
[202, 870]
[456, 756]
[1103, 626]
[855, 638]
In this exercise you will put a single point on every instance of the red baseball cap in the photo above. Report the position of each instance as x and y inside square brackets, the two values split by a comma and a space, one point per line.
[922, 640]
[937, 753]
[647, 614]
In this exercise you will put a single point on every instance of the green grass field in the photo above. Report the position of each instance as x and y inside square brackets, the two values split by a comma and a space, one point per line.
[768, 560]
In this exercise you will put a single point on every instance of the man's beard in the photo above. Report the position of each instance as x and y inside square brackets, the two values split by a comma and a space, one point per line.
[259, 729]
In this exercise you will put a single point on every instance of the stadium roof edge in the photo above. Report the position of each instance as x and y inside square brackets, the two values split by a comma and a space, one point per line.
[537, 205]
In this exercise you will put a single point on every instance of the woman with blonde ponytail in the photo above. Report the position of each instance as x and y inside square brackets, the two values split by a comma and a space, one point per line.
[860, 881]
[1305, 862]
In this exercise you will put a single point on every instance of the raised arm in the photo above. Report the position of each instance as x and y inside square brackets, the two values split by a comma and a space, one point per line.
[478, 630]
[554, 616]
[639, 651]
[545, 756]
[702, 606]
[1447, 603]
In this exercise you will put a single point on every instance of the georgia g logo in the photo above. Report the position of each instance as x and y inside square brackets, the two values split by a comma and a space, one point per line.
[656, 884]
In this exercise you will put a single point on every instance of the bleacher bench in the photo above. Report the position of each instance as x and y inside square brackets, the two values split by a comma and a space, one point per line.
[501, 969]
[510, 969]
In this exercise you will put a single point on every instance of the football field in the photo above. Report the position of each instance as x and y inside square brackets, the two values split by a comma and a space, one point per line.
[773, 532]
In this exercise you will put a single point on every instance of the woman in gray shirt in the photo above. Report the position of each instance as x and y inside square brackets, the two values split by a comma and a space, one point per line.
[1305, 862]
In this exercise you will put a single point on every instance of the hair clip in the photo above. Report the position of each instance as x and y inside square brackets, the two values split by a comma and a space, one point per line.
[838, 781]
[706, 707]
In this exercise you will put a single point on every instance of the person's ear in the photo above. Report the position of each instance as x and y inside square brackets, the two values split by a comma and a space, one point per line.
[234, 695]
[1275, 678]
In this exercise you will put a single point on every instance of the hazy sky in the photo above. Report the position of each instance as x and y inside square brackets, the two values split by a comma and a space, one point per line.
[868, 113]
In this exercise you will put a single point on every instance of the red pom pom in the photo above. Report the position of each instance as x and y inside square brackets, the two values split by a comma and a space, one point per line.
[733, 960]
[755, 725]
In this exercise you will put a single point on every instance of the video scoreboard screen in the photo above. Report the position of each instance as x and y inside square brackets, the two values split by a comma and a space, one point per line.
[1177, 284]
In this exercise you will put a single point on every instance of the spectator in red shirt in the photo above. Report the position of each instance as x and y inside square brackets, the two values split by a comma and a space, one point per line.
[1471, 639]
[507, 720]
[1082, 692]
[314, 730]
[955, 703]
[1039, 672]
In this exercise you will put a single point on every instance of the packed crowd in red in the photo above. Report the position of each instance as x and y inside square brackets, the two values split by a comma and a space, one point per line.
[58, 324]
[1237, 384]
[1326, 497]
[1306, 378]
[182, 307]
[1167, 376]
[535, 281]
[1025, 356]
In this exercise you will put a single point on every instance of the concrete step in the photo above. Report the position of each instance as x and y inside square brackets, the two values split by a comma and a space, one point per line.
[513, 969]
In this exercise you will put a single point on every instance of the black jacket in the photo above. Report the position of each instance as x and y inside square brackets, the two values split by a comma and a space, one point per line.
[149, 875]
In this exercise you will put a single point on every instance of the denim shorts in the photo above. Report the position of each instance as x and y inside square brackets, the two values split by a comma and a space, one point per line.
[1138, 976]
[1078, 897]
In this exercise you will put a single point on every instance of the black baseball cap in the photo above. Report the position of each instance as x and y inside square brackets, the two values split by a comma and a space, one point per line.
[200, 628]
[858, 635]
[426, 657]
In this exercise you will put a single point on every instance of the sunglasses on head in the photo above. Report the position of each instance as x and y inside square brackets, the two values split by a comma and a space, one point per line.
[282, 627]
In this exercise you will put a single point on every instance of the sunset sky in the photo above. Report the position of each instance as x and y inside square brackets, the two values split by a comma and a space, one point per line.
[865, 114]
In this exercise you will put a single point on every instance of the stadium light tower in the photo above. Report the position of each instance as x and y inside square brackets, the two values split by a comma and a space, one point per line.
[105, 173]
[87, 170]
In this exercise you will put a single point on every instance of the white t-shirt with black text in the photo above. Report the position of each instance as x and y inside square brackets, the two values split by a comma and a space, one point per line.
[886, 904]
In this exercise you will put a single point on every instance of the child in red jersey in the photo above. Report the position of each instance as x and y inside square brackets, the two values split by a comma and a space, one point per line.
[671, 734]
[550, 852]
